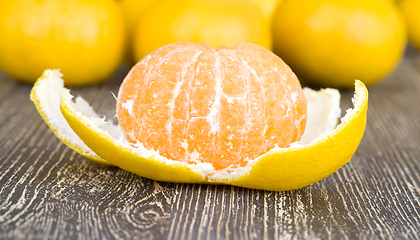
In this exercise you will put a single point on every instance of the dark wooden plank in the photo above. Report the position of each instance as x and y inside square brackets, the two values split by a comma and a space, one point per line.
[49, 192]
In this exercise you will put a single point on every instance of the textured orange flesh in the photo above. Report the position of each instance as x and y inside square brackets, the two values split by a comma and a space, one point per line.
[222, 106]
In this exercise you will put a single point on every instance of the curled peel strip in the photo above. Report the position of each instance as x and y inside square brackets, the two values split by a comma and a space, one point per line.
[324, 148]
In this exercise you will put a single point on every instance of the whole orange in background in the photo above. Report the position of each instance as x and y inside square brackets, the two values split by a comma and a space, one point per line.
[266, 8]
[85, 39]
[132, 11]
[411, 12]
[223, 106]
[214, 22]
[331, 43]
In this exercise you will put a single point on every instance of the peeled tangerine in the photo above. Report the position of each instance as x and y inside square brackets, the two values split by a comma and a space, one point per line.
[232, 115]
[222, 106]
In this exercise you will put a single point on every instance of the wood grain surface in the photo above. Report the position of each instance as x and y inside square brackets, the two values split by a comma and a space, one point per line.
[47, 191]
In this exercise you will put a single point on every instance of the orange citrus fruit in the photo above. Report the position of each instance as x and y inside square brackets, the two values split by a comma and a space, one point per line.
[132, 10]
[266, 8]
[411, 12]
[323, 148]
[214, 22]
[332, 42]
[85, 39]
[223, 106]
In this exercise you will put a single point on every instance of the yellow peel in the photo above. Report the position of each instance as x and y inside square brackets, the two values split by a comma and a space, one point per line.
[323, 149]
[145, 163]
[299, 166]
[46, 94]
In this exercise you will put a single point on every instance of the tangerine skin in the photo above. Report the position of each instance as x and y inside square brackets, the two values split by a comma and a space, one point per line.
[222, 106]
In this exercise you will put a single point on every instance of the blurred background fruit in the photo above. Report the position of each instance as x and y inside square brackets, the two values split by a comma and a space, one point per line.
[411, 12]
[330, 43]
[85, 39]
[266, 8]
[132, 10]
[215, 22]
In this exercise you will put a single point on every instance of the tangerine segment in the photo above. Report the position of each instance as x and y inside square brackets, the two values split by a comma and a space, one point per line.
[222, 106]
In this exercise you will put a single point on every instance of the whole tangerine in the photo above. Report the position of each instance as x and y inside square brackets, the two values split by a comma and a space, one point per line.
[330, 43]
[214, 22]
[85, 39]
[411, 10]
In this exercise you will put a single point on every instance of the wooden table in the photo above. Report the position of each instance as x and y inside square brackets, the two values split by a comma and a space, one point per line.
[47, 191]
